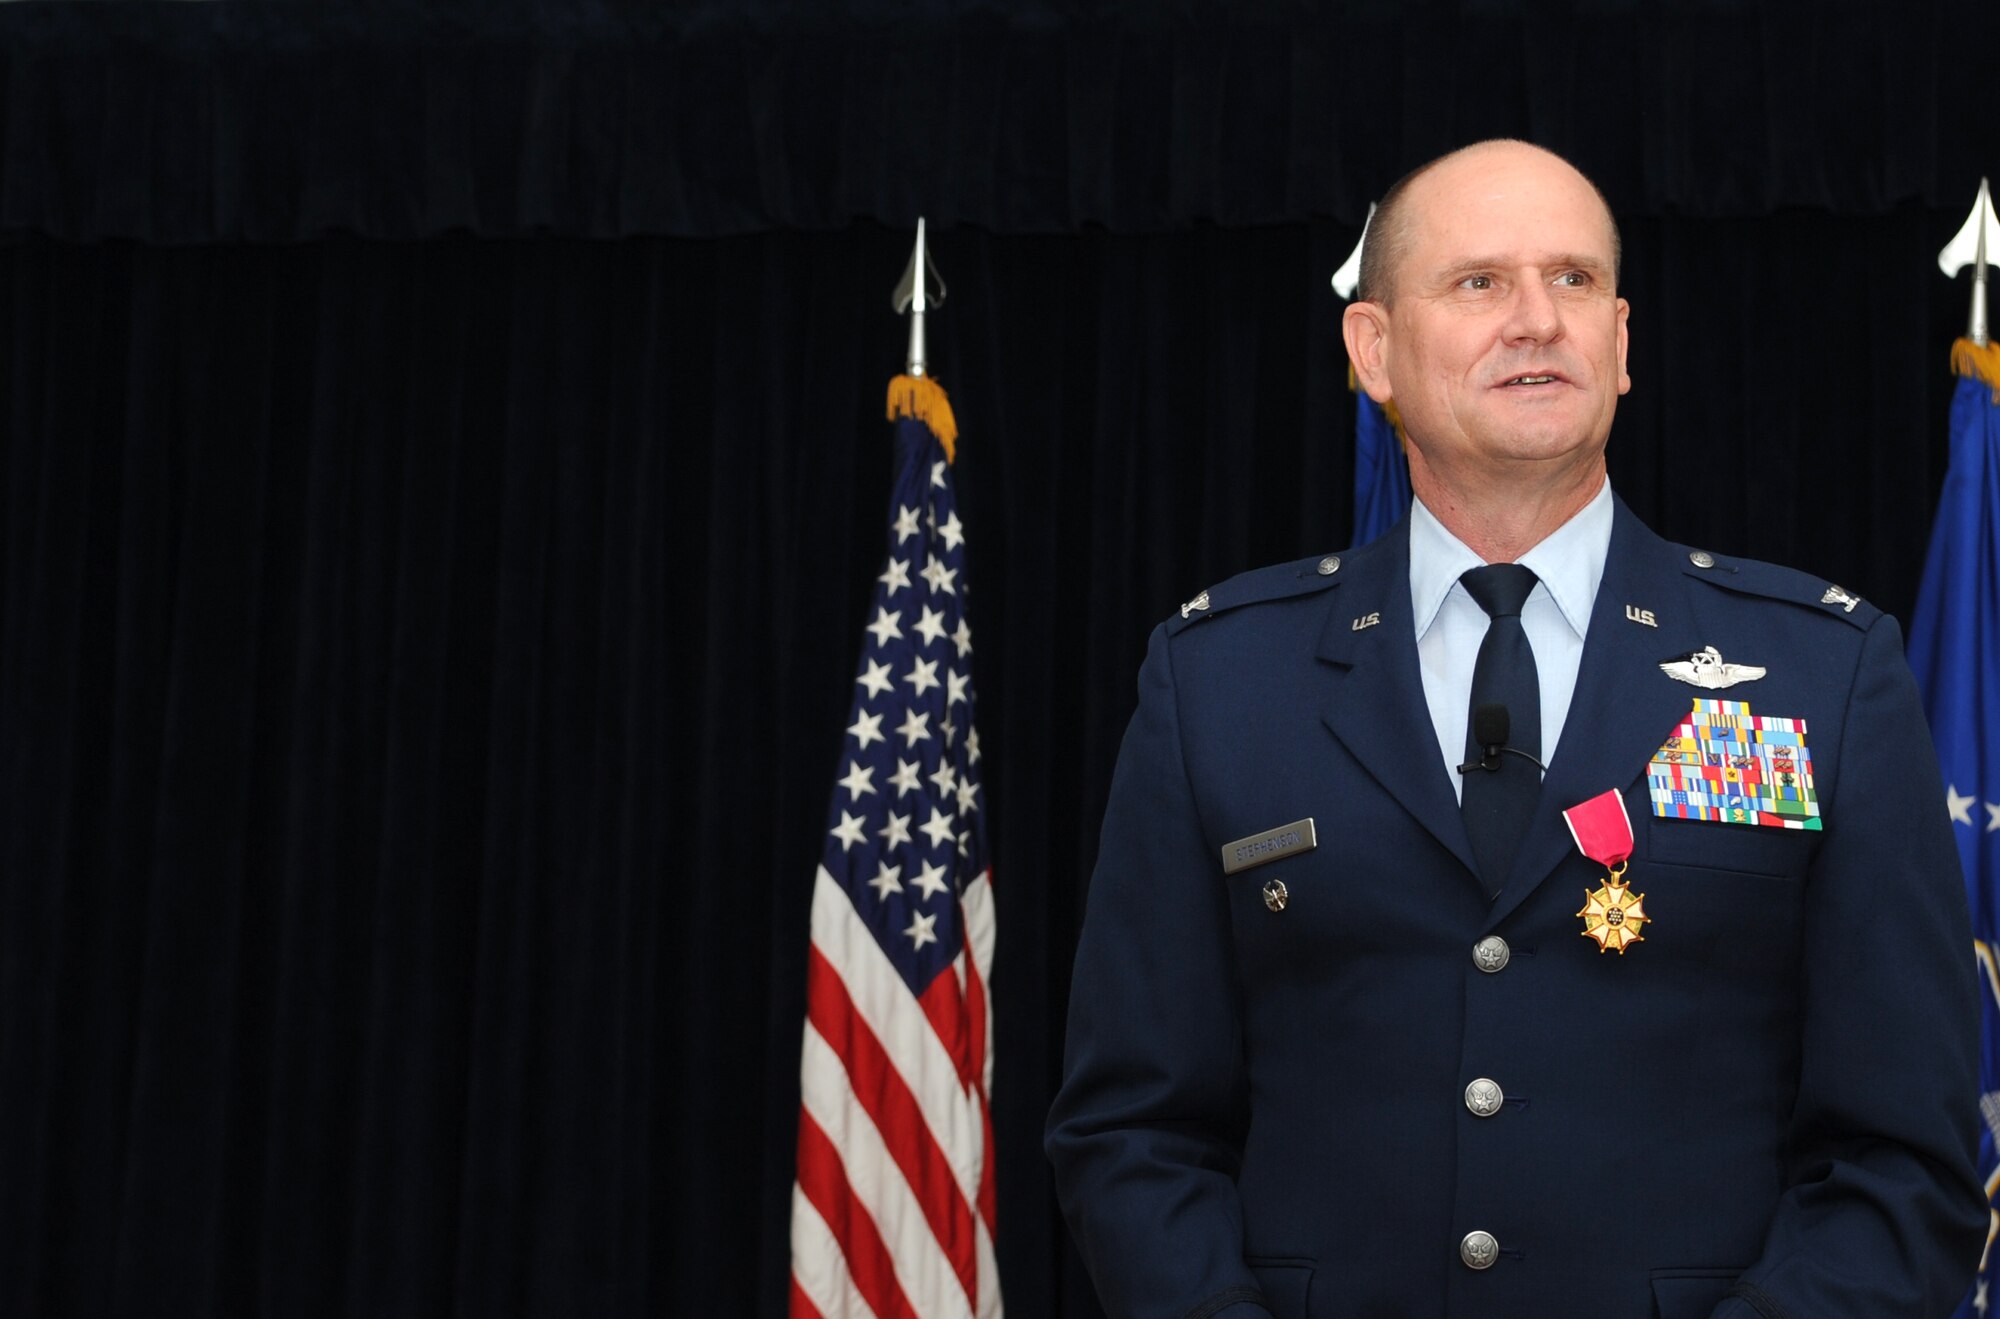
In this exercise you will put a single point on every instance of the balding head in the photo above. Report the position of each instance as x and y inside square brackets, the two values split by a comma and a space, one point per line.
[1392, 230]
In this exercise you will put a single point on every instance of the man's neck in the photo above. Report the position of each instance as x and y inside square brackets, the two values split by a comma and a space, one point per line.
[1501, 522]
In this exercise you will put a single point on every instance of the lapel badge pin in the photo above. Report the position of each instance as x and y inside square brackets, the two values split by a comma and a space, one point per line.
[1835, 596]
[1198, 603]
[1275, 894]
[1706, 668]
[1638, 615]
[1365, 621]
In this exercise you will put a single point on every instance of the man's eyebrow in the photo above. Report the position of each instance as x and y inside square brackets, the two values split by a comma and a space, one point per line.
[1552, 261]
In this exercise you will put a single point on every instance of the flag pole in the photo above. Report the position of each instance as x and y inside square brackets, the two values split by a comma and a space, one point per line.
[913, 393]
[1347, 279]
[920, 289]
[1976, 244]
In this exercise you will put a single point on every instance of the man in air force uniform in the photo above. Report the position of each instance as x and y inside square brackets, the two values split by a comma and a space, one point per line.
[1342, 1044]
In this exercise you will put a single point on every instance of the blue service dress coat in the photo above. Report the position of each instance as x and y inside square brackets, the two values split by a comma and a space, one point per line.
[1764, 1109]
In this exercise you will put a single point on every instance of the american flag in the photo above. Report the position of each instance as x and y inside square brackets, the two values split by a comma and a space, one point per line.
[893, 1209]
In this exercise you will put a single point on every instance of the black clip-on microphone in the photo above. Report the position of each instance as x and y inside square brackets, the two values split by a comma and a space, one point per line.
[1490, 726]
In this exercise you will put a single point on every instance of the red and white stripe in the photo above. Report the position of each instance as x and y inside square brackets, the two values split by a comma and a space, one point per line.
[892, 1213]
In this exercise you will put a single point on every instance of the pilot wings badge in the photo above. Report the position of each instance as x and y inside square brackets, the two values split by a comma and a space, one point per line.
[1706, 668]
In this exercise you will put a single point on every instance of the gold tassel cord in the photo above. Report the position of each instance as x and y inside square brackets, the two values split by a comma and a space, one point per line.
[923, 399]
[1979, 362]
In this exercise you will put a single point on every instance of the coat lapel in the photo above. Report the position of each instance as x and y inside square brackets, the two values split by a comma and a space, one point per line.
[1623, 708]
[1377, 707]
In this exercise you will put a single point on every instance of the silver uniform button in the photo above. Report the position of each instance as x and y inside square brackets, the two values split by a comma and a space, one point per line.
[1483, 1097]
[1491, 953]
[1702, 559]
[1329, 565]
[1479, 1250]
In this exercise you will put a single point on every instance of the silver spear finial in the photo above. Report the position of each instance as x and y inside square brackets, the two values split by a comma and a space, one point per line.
[1976, 244]
[1348, 277]
[917, 295]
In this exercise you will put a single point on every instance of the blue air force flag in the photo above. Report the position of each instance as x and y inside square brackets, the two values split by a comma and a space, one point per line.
[1954, 647]
[1381, 470]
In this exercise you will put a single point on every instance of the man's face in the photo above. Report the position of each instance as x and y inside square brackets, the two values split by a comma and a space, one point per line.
[1504, 343]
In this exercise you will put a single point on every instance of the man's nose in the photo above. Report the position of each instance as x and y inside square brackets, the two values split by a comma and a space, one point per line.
[1533, 317]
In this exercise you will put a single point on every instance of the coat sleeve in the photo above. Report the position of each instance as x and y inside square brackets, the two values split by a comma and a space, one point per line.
[1883, 1212]
[1145, 1134]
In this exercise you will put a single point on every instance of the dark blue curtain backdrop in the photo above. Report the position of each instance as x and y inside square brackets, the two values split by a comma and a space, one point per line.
[443, 467]
[279, 122]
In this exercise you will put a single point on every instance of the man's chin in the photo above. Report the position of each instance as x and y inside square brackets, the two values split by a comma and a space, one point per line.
[1569, 444]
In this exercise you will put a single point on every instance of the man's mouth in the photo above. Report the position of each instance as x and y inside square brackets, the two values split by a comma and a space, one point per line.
[1530, 380]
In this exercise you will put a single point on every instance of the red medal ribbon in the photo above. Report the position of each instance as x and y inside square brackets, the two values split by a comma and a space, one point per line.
[1602, 829]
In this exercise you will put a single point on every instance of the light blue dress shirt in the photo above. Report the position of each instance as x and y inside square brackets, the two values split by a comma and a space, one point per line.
[1450, 624]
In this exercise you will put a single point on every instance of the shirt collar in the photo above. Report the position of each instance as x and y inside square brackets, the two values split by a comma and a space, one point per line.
[1569, 561]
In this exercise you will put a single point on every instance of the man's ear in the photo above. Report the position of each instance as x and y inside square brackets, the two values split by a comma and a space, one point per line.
[1624, 342]
[1365, 328]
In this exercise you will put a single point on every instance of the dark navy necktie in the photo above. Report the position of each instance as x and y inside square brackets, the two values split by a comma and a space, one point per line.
[1498, 802]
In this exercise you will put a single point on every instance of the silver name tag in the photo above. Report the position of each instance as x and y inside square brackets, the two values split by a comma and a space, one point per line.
[1271, 845]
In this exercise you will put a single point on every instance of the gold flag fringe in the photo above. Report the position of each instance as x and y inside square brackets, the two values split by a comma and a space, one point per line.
[924, 399]
[1979, 362]
[1388, 409]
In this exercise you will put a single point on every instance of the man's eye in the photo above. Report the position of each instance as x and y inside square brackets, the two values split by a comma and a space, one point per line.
[1573, 279]
[1480, 282]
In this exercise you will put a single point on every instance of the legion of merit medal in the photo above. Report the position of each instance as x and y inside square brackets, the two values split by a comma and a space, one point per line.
[1613, 915]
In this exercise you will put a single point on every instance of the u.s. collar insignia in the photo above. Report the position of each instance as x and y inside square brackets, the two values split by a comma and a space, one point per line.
[1200, 602]
[1706, 668]
[1835, 596]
